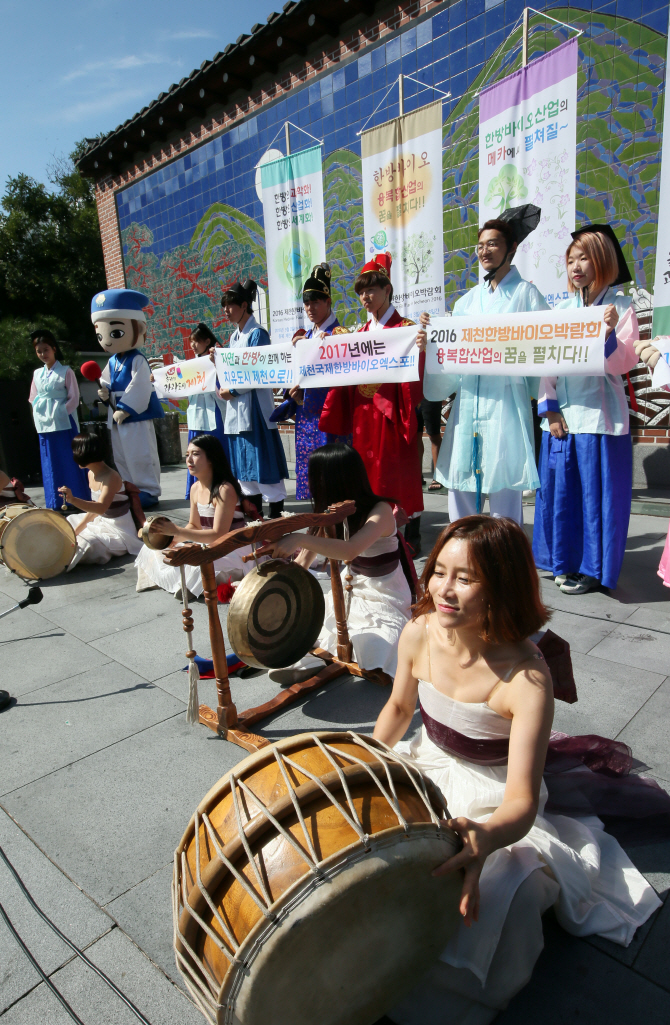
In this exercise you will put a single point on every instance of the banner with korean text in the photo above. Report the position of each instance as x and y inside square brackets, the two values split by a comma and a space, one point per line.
[381, 356]
[295, 235]
[402, 206]
[527, 154]
[550, 344]
[179, 380]
[262, 366]
[661, 322]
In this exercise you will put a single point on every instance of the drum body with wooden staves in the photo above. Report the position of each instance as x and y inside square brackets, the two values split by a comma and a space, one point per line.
[35, 543]
[276, 615]
[303, 892]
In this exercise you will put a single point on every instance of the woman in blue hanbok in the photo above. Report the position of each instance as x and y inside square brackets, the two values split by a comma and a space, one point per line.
[488, 442]
[54, 396]
[255, 449]
[586, 462]
[306, 404]
[206, 411]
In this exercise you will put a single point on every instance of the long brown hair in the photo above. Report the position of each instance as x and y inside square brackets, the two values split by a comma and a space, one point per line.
[501, 556]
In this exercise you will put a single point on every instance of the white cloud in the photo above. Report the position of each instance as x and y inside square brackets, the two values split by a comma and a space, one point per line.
[130, 60]
[102, 105]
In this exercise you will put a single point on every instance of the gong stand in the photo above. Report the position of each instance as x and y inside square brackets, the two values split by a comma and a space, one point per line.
[226, 720]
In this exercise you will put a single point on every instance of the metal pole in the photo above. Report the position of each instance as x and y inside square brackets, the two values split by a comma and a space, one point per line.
[401, 94]
[524, 51]
[287, 133]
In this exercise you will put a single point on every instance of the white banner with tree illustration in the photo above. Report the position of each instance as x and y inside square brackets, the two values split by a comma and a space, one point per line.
[295, 235]
[402, 206]
[527, 154]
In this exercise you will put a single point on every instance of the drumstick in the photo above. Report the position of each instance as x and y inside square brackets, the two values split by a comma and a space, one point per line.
[63, 508]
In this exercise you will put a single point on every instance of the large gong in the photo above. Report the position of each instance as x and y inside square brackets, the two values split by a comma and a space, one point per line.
[276, 615]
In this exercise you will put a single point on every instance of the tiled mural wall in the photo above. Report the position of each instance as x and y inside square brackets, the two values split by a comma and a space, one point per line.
[196, 224]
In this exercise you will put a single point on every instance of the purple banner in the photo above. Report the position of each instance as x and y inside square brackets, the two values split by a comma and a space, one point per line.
[540, 74]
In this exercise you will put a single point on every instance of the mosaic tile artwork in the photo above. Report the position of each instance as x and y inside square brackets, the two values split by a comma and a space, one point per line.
[195, 225]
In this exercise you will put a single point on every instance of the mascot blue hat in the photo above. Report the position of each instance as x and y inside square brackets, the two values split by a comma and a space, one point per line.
[119, 304]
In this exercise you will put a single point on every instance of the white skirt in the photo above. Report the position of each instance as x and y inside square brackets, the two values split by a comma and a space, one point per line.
[104, 537]
[571, 863]
[380, 608]
[153, 571]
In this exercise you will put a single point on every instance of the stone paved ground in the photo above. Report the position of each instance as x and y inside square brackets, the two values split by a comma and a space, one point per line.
[99, 775]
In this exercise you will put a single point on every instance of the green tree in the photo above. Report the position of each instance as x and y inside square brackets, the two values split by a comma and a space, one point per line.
[505, 187]
[51, 261]
[417, 254]
[17, 355]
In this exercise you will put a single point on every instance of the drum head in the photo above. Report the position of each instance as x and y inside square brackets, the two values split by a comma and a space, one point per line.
[351, 948]
[276, 615]
[36, 543]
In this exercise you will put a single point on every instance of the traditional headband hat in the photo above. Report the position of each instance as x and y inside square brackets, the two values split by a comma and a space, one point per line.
[241, 292]
[604, 229]
[380, 262]
[522, 220]
[318, 283]
[119, 304]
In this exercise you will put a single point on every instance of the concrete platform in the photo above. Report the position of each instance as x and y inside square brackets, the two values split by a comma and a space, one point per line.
[99, 775]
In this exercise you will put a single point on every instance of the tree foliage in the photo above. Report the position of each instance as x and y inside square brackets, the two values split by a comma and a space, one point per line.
[51, 261]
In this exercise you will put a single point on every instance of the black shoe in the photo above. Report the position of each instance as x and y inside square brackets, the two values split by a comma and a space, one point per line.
[276, 509]
[5, 700]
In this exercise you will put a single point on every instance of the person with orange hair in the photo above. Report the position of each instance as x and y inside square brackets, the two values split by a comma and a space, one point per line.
[382, 417]
[582, 507]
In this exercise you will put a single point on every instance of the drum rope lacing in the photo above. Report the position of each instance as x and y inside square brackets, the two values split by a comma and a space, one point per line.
[227, 943]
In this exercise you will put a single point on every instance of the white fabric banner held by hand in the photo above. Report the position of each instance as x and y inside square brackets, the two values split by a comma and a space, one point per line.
[192, 377]
[262, 366]
[380, 356]
[551, 343]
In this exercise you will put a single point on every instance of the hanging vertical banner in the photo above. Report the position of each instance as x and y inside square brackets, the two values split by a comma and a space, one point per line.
[527, 154]
[295, 235]
[661, 322]
[402, 206]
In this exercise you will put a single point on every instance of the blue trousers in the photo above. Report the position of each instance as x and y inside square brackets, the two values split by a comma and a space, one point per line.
[582, 507]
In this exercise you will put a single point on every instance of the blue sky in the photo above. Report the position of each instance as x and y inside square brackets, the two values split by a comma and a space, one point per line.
[75, 68]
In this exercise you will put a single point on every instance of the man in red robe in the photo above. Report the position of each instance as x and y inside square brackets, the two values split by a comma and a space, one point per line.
[382, 417]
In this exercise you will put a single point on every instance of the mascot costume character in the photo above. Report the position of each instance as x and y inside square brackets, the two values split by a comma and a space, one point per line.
[121, 327]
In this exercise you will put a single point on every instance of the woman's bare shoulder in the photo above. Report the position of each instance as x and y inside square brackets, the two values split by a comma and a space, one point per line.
[531, 678]
[413, 635]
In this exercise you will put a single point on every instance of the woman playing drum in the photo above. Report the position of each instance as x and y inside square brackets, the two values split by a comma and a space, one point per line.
[486, 701]
[105, 527]
[215, 509]
[381, 597]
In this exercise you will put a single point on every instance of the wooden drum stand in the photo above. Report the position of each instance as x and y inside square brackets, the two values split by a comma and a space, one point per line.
[226, 721]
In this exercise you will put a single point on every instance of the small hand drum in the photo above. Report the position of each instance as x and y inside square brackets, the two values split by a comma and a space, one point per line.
[36, 544]
[276, 615]
[303, 892]
[152, 536]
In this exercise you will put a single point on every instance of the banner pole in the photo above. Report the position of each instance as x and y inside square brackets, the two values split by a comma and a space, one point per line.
[401, 95]
[287, 133]
[524, 52]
